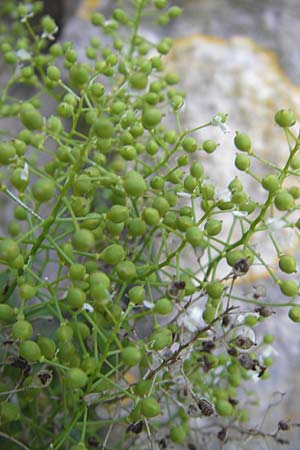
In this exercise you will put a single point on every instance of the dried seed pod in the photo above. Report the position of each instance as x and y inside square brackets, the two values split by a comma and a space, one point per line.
[233, 401]
[264, 311]
[205, 406]
[246, 361]
[232, 351]
[243, 342]
[241, 266]
[192, 410]
[208, 346]
[136, 427]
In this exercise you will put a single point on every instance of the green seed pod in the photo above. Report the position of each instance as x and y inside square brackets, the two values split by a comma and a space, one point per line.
[22, 329]
[242, 142]
[157, 183]
[285, 118]
[194, 236]
[163, 306]
[150, 407]
[43, 190]
[99, 294]
[287, 264]
[209, 146]
[151, 117]
[197, 170]
[137, 295]
[77, 271]
[242, 162]
[64, 333]
[189, 144]
[289, 288]
[131, 356]
[215, 289]
[294, 314]
[30, 351]
[213, 227]
[27, 291]
[233, 256]
[136, 227]
[104, 128]
[75, 297]
[83, 240]
[224, 408]
[209, 314]
[235, 185]
[190, 183]
[134, 184]
[7, 153]
[118, 214]
[271, 182]
[183, 223]
[142, 388]
[89, 365]
[76, 378]
[151, 216]
[161, 338]
[9, 412]
[9, 250]
[31, 118]
[6, 313]
[161, 205]
[251, 320]
[81, 329]
[178, 435]
[113, 254]
[126, 270]
[47, 347]
[284, 201]
[138, 80]
[53, 73]
[79, 74]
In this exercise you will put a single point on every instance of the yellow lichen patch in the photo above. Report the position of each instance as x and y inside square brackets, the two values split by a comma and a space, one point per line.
[87, 7]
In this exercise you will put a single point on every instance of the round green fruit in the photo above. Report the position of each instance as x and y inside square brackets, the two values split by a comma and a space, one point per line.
[224, 408]
[289, 288]
[126, 270]
[83, 240]
[76, 378]
[150, 407]
[31, 118]
[194, 236]
[163, 306]
[113, 254]
[243, 142]
[151, 117]
[9, 412]
[215, 289]
[287, 264]
[178, 435]
[76, 297]
[47, 347]
[30, 351]
[131, 356]
[137, 295]
[285, 118]
[6, 312]
[271, 182]
[43, 190]
[9, 250]
[134, 184]
[22, 329]
[294, 314]
[284, 201]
